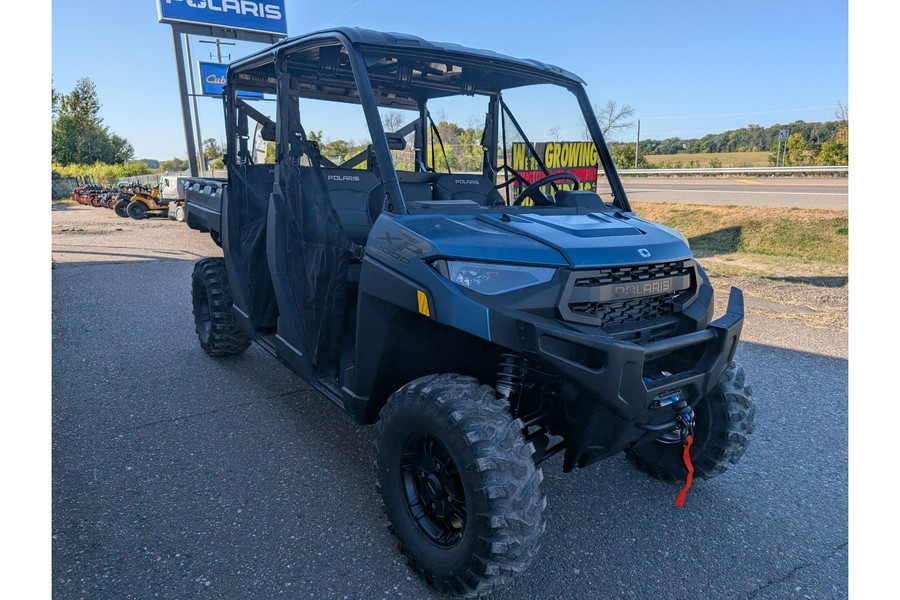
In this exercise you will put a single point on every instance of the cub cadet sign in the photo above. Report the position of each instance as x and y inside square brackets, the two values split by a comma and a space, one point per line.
[265, 16]
[578, 158]
[212, 80]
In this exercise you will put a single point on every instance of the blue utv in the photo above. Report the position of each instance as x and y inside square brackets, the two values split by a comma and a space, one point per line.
[487, 312]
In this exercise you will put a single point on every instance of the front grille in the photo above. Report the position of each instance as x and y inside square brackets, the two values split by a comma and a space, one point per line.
[634, 274]
[622, 312]
[621, 296]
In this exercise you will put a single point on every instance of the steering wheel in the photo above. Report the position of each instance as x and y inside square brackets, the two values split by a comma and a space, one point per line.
[539, 197]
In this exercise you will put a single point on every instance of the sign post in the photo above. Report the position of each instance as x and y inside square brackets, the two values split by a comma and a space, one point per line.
[783, 135]
[200, 156]
[185, 106]
[261, 21]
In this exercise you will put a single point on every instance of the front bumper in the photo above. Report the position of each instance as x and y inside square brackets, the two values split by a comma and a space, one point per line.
[616, 390]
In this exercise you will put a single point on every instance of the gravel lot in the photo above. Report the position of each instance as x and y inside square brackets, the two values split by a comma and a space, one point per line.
[84, 234]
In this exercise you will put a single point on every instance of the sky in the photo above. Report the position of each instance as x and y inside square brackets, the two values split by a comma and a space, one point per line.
[686, 68]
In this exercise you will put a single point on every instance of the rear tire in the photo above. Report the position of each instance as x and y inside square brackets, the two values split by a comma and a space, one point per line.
[136, 210]
[460, 487]
[179, 214]
[213, 317]
[724, 422]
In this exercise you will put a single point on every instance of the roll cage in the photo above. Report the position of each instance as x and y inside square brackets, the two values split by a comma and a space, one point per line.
[375, 69]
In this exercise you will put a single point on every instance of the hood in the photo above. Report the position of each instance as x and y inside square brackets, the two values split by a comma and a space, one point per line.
[577, 241]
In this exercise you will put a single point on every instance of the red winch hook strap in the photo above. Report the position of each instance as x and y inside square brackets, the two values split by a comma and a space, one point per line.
[690, 470]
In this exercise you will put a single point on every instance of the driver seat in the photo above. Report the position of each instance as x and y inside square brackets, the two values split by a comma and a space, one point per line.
[467, 186]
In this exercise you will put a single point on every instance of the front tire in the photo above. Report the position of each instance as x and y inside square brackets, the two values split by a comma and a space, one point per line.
[213, 319]
[724, 422]
[137, 210]
[179, 214]
[460, 487]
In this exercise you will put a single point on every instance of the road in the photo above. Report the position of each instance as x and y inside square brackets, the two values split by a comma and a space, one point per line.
[827, 193]
[176, 475]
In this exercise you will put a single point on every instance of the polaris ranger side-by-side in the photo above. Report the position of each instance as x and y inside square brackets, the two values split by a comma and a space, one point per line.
[485, 321]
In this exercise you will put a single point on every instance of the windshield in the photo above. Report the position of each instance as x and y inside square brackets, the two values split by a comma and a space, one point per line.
[537, 142]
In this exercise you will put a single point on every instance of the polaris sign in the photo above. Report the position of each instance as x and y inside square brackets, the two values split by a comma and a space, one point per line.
[263, 16]
[212, 79]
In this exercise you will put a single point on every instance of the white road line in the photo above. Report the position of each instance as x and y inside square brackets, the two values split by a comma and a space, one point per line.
[633, 190]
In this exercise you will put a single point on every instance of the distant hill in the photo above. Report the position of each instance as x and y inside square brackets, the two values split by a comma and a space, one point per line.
[752, 138]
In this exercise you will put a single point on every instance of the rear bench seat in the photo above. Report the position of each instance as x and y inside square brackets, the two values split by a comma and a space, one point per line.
[357, 196]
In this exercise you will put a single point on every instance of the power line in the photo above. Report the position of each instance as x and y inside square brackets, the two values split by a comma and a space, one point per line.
[352, 6]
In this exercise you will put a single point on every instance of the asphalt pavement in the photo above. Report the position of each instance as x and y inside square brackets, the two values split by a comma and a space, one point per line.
[830, 193]
[176, 475]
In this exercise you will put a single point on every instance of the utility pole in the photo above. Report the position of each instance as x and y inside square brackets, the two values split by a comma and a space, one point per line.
[637, 145]
[219, 43]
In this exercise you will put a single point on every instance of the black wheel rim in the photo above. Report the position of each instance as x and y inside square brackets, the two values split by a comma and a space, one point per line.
[433, 490]
[202, 315]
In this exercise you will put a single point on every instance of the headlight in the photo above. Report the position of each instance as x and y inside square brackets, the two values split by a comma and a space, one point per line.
[490, 279]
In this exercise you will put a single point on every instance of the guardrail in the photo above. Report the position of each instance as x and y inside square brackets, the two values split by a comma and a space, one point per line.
[739, 170]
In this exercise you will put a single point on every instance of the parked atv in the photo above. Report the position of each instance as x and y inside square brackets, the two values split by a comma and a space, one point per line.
[484, 321]
[120, 201]
[87, 192]
[146, 201]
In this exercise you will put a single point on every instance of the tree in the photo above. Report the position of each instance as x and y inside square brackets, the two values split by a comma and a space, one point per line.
[336, 149]
[797, 151]
[212, 152]
[77, 131]
[613, 119]
[837, 150]
[392, 121]
[54, 102]
[623, 156]
[176, 164]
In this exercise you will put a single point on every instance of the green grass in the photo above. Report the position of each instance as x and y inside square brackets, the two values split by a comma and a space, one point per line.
[759, 241]
[728, 159]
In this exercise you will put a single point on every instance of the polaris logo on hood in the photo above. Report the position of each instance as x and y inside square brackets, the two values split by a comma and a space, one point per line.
[467, 182]
[343, 178]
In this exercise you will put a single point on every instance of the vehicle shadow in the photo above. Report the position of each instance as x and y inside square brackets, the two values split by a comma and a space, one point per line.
[122, 257]
[65, 205]
[816, 281]
[722, 241]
